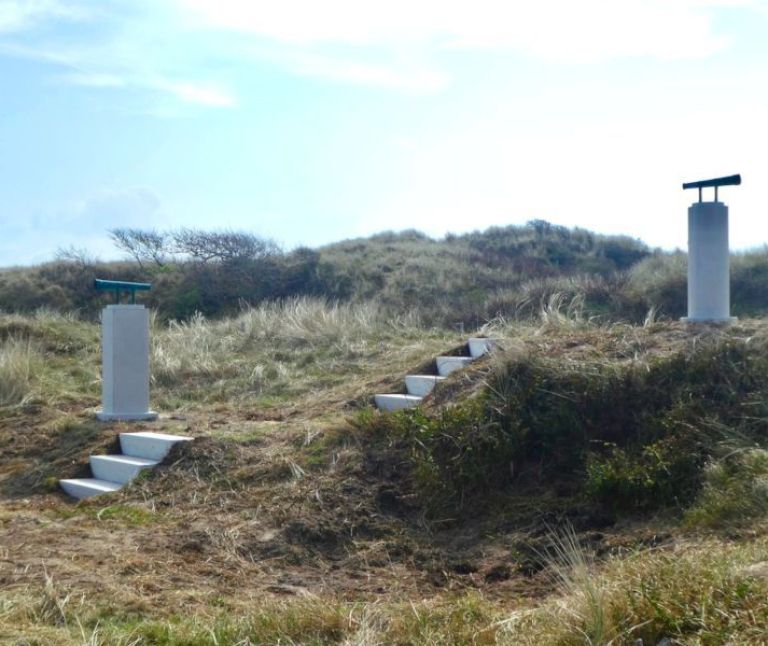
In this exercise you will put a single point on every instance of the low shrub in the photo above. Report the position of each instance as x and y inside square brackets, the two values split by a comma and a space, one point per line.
[735, 490]
[633, 436]
[664, 472]
[456, 455]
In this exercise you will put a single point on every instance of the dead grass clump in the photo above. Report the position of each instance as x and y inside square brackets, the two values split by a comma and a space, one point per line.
[19, 362]
[191, 349]
[560, 312]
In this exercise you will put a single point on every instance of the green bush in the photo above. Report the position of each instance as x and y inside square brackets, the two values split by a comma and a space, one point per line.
[659, 474]
[456, 456]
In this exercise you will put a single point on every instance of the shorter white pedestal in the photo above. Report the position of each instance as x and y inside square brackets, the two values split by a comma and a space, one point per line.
[125, 364]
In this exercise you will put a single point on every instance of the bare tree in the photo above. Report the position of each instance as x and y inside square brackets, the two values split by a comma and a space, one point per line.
[144, 246]
[77, 256]
[222, 246]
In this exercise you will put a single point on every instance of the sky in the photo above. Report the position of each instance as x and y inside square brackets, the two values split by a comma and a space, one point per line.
[310, 122]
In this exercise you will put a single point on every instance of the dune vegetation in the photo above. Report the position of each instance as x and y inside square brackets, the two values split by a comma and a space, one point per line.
[599, 478]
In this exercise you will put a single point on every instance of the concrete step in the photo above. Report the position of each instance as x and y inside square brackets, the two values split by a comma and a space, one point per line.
[421, 385]
[480, 346]
[152, 446]
[396, 402]
[447, 365]
[119, 468]
[86, 487]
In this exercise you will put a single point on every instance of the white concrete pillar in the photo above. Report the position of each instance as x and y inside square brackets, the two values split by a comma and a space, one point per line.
[709, 289]
[125, 363]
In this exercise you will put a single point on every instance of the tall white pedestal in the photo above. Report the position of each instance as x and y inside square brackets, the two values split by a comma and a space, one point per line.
[709, 289]
[125, 363]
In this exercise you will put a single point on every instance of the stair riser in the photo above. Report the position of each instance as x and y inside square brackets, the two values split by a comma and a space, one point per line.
[81, 490]
[114, 471]
[146, 447]
[391, 403]
[447, 365]
[479, 347]
[421, 385]
[141, 450]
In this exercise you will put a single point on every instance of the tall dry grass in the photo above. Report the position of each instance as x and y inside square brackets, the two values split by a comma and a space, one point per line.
[559, 311]
[275, 341]
[573, 569]
[18, 363]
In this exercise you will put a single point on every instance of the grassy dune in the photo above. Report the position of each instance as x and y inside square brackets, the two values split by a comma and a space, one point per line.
[536, 499]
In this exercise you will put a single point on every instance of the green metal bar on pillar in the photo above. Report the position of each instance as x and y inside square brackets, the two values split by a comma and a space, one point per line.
[121, 286]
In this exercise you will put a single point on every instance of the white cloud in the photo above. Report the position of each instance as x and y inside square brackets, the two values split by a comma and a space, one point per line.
[561, 30]
[107, 68]
[399, 44]
[409, 78]
[94, 79]
[120, 54]
[196, 93]
[18, 15]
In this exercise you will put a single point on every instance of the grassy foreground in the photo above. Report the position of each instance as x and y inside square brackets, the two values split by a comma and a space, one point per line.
[698, 592]
[301, 516]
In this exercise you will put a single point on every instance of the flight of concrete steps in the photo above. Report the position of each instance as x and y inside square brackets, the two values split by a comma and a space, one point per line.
[111, 472]
[419, 386]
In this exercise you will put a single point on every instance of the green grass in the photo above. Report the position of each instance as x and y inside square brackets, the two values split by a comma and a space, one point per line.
[121, 514]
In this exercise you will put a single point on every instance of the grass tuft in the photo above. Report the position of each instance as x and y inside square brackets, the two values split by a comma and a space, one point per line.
[735, 490]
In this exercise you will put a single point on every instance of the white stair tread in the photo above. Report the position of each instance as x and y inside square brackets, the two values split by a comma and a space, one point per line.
[447, 365]
[130, 460]
[166, 437]
[146, 444]
[479, 346]
[391, 402]
[87, 487]
[421, 385]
